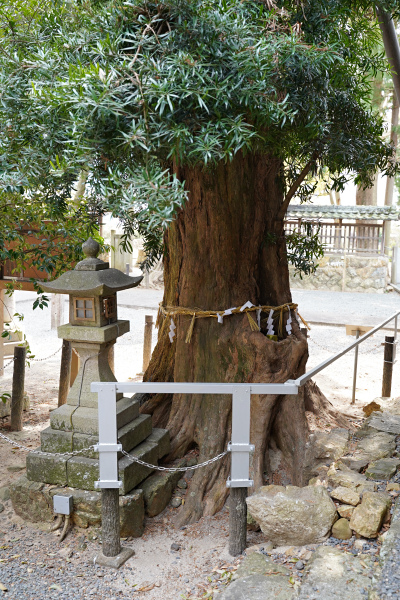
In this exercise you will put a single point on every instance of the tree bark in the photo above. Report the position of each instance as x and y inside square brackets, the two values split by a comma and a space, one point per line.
[227, 247]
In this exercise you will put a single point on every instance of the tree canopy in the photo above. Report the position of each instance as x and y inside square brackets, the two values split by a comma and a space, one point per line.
[125, 90]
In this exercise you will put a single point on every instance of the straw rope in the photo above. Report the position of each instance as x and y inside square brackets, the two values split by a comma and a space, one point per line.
[172, 311]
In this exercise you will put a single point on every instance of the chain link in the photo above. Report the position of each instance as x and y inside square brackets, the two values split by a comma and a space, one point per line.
[47, 357]
[131, 458]
[22, 447]
[32, 359]
[8, 364]
[174, 469]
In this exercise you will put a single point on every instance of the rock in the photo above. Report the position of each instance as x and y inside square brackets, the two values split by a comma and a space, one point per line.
[332, 574]
[182, 484]
[1, 507]
[176, 502]
[255, 548]
[293, 515]
[359, 544]
[385, 422]
[258, 564]
[175, 547]
[345, 511]
[4, 493]
[368, 517]
[391, 487]
[382, 469]
[370, 408]
[5, 407]
[16, 468]
[343, 476]
[354, 464]
[375, 446]
[259, 587]
[346, 495]
[323, 448]
[30, 500]
[252, 525]
[299, 565]
[341, 529]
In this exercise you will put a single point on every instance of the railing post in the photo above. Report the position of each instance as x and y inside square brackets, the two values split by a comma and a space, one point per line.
[239, 481]
[353, 396]
[148, 333]
[65, 372]
[18, 386]
[388, 359]
[113, 555]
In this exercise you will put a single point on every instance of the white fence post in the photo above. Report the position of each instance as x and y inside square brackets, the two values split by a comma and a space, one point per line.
[113, 555]
[239, 480]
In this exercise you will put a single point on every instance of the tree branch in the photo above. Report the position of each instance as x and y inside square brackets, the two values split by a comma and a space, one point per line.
[295, 186]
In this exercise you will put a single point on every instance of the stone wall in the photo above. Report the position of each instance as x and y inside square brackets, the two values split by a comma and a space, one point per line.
[340, 273]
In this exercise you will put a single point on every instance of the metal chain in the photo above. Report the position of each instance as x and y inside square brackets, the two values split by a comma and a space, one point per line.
[174, 469]
[30, 358]
[47, 357]
[131, 458]
[71, 453]
[8, 364]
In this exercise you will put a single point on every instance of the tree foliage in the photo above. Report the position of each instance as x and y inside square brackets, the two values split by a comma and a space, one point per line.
[129, 90]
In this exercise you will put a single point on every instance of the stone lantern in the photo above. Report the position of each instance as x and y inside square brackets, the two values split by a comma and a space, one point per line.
[93, 329]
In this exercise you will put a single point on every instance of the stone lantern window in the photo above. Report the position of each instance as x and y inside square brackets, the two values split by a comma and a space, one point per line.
[110, 307]
[84, 309]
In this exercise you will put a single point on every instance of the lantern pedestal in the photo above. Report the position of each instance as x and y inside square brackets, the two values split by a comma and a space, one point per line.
[93, 330]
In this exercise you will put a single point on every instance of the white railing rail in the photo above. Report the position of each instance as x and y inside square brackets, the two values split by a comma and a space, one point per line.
[307, 376]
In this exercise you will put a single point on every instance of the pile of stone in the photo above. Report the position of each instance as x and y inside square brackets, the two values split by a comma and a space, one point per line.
[351, 495]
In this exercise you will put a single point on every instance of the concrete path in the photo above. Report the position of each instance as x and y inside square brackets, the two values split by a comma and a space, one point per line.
[341, 308]
[317, 307]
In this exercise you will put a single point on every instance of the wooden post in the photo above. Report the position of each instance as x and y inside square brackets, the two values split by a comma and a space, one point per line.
[387, 366]
[110, 528]
[111, 358]
[18, 384]
[65, 372]
[57, 310]
[75, 364]
[237, 520]
[148, 332]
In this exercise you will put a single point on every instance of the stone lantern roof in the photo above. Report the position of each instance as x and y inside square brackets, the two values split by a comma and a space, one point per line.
[91, 276]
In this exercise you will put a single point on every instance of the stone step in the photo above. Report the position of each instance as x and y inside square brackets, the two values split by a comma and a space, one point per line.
[158, 489]
[81, 472]
[132, 474]
[259, 578]
[85, 420]
[162, 439]
[332, 574]
[33, 501]
[130, 436]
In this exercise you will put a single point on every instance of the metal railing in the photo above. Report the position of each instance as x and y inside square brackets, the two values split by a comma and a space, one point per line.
[349, 238]
[239, 446]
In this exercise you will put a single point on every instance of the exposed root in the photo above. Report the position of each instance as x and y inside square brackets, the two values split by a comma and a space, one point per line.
[317, 403]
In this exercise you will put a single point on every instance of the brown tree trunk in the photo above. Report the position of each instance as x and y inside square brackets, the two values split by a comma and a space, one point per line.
[224, 249]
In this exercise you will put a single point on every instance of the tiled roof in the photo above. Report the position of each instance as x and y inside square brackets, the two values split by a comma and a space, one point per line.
[313, 211]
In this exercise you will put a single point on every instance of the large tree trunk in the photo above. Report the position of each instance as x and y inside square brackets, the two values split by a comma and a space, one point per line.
[224, 249]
